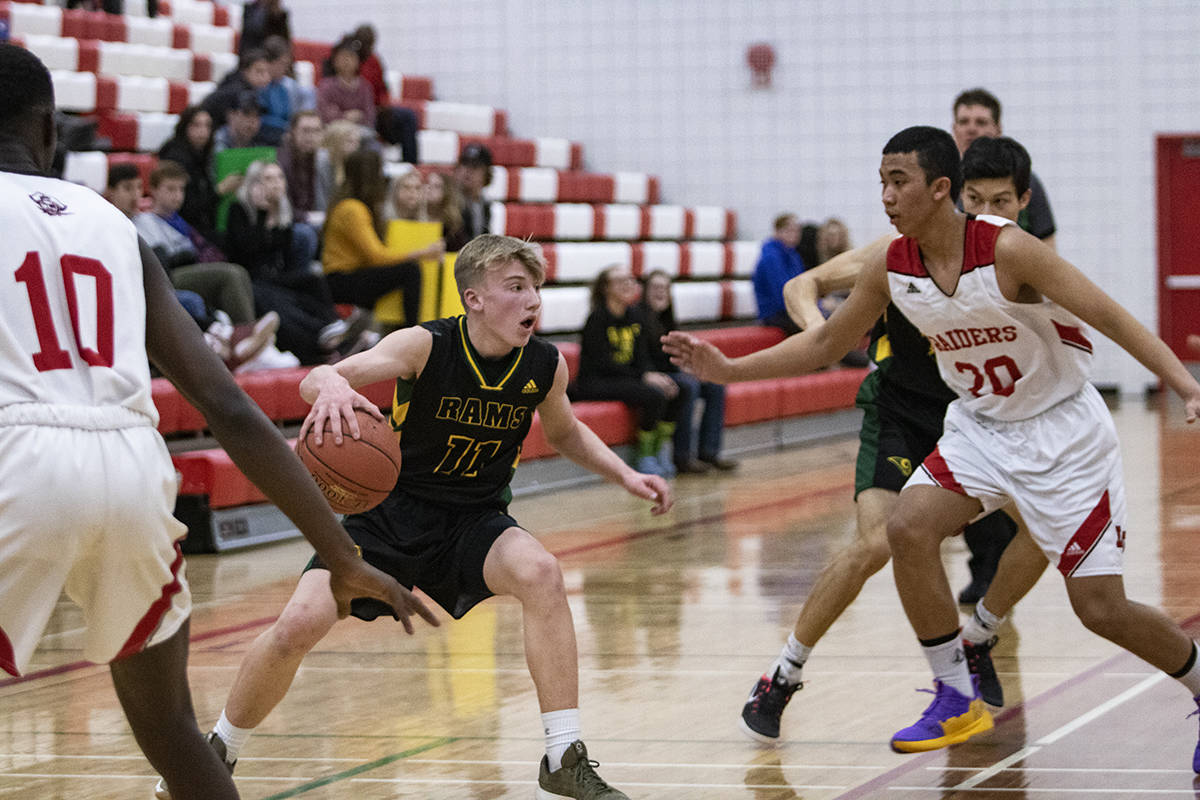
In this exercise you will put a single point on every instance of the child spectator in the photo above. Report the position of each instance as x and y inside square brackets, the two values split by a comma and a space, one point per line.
[253, 73]
[242, 123]
[615, 364]
[191, 146]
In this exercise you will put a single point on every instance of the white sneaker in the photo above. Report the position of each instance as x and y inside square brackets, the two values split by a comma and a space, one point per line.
[270, 357]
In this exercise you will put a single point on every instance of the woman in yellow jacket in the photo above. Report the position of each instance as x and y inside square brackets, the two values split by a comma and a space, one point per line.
[359, 267]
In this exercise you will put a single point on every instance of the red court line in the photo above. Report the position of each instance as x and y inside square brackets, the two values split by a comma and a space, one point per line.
[882, 781]
[78, 665]
[609, 542]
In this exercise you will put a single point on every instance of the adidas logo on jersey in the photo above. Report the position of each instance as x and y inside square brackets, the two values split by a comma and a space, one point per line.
[912, 289]
[530, 388]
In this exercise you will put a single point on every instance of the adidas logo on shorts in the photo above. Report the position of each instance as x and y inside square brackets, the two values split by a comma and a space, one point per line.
[912, 289]
[1074, 549]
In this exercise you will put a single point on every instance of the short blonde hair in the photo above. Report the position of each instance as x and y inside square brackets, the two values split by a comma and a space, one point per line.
[488, 251]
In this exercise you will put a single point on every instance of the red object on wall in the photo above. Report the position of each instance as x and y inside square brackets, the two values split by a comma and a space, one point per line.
[761, 58]
[1178, 163]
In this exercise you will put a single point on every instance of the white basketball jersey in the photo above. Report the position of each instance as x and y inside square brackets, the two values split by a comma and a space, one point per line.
[72, 302]
[1005, 360]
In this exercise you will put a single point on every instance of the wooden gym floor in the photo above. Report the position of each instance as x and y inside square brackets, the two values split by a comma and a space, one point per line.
[677, 617]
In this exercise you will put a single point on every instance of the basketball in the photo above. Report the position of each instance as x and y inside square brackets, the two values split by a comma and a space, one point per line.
[357, 474]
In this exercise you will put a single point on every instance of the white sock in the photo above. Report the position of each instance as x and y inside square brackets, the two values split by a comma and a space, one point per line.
[949, 665]
[982, 625]
[1191, 678]
[791, 660]
[561, 728]
[233, 737]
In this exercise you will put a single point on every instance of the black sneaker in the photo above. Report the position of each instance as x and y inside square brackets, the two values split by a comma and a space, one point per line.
[762, 712]
[979, 661]
[161, 792]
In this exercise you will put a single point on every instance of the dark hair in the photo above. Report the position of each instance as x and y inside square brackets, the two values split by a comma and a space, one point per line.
[937, 154]
[25, 88]
[167, 170]
[246, 102]
[252, 55]
[1000, 157]
[185, 119]
[119, 173]
[276, 47]
[364, 181]
[979, 97]
[600, 286]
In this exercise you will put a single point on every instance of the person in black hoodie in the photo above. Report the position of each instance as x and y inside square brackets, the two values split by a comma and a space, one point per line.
[615, 364]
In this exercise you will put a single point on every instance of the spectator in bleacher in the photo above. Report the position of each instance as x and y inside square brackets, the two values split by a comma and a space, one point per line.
[191, 146]
[615, 364]
[226, 308]
[242, 122]
[778, 263]
[340, 139]
[359, 265]
[406, 198]
[283, 97]
[253, 73]
[297, 156]
[260, 20]
[394, 124]
[346, 94]
[443, 202]
[124, 188]
[474, 174]
[691, 454]
[261, 237]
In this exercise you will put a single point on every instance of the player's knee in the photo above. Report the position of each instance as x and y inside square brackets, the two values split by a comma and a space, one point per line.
[541, 576]
[873, 554]
[1100, 615]
[903, 533]
[296, 632]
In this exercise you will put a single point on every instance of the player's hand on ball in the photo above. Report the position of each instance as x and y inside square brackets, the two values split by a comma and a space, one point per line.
[336, 404]
[360, 579]
[697, 356]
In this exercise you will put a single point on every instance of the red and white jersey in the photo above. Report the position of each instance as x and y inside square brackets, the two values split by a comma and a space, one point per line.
[1005, 360]
[72, 301]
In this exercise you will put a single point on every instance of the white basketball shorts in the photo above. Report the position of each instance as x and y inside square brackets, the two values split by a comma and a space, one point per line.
[1061, 468]
[85, 506]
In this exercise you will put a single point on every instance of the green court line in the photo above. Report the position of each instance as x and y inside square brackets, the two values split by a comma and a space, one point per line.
[361, 768]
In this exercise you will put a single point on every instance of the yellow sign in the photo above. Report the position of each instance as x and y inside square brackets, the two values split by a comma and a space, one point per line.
[439, 294]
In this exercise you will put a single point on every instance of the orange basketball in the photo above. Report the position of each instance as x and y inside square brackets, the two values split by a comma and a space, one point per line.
[357, 474]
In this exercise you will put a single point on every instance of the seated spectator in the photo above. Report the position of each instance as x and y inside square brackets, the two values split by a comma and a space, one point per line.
[660, 320]
[359, 266]
[283, 97]
[394, 124]
[261, 236]
[833, 238]
[777, 264]
[191, 146]
[615, 364]
[253, 73]
[242, 122]
[474, 174]
[443, 203]
[297, 157]
[406, 198]
[262, 19]
[228, 319]
[346, 94]
[341, 138]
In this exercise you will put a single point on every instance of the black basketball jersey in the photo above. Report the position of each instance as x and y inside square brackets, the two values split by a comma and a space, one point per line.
[461, 424]
[910, 379]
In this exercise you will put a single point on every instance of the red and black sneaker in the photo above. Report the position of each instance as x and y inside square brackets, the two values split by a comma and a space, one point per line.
[762, 712]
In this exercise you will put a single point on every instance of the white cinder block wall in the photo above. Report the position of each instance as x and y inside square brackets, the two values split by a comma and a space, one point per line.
[662, 86]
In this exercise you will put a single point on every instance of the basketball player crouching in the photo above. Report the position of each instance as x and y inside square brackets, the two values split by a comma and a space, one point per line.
[465, 392]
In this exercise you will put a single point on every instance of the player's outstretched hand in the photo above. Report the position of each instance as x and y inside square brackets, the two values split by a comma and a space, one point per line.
[697, 356]
[360, 579]
[336, 403]
[651, 487]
